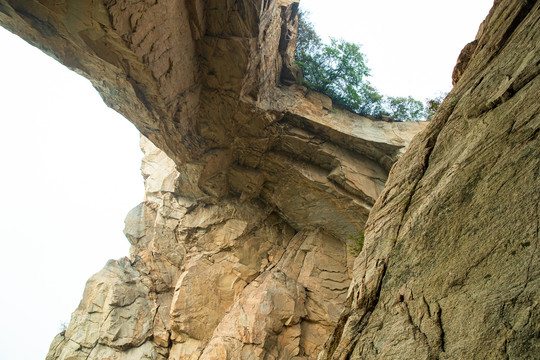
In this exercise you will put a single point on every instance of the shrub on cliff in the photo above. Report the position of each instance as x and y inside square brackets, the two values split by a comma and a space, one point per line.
[339, 70]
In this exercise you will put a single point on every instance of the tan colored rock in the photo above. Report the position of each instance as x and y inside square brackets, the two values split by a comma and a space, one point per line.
[450, 268]
[240, 247]
[115, 317]
[159, 172]
[264, 324]
[286, 311]
[252, 188]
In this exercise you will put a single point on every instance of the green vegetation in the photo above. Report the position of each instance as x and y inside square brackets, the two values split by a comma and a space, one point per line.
[405, 108]
[357, 243]
[433, 104]
[339, 70]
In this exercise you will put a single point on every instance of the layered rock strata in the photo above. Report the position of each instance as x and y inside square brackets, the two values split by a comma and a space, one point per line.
[228, 279]
[240, 247]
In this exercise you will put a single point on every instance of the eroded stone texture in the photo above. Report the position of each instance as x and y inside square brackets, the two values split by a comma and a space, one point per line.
[115, 319]
[207, 279]
[451, 267]
[285, 312]
[239, 249]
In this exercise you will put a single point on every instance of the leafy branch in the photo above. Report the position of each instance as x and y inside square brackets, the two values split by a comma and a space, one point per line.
[355, 248]
[339, 70]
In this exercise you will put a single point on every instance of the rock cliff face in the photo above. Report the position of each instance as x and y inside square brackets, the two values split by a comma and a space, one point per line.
[451, 265]
[239, 249]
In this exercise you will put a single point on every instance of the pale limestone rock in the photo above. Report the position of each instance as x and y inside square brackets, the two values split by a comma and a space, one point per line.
[115, 316]
[282, 313]
[265, 323]
[158, 170]
[204, 293]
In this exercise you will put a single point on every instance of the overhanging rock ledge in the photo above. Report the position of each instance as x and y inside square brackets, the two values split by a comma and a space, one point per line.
[239, 249]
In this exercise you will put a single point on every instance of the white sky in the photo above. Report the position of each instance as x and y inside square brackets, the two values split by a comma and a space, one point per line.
[70, 166]
[411, 46]
[69, 175]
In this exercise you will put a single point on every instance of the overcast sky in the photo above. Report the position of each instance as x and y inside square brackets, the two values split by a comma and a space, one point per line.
[70, 166]
[411, 46]
[69, 175]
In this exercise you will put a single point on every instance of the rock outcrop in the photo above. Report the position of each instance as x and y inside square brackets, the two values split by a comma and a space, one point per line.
[226, 279]
[239, 250]
[451, 265]
[240, 247]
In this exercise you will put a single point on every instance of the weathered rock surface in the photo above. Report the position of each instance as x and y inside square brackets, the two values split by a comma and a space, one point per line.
[204, 280]
[451, 265]
[239, 248]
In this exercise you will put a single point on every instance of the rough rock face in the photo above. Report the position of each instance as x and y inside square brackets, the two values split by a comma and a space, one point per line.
[451, 264]
[239, 249]
[230, 279]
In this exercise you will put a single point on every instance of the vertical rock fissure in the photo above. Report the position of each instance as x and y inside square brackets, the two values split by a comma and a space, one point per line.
[439, 323]
[370, 304]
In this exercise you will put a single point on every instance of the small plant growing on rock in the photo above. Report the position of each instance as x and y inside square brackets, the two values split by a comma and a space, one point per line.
[433, 104]
[357, 243]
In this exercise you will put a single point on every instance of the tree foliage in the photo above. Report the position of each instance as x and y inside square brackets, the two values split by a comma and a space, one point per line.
[404, 108]
[339, 70]
[433, 104]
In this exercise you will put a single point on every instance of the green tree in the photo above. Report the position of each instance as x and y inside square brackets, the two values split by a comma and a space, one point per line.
[339, 70]
[404, 108]
[432, 105]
